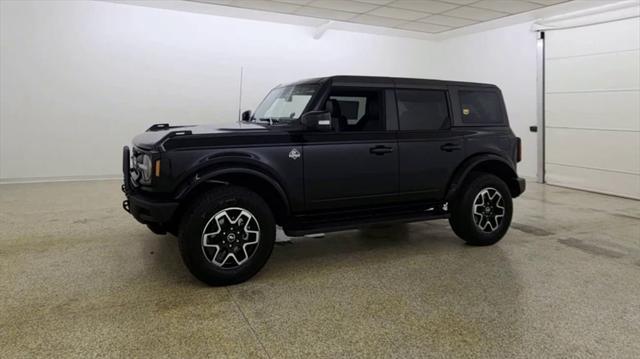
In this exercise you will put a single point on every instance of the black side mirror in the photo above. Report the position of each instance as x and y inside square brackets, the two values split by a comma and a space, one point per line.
[246, 116]
[316, 120]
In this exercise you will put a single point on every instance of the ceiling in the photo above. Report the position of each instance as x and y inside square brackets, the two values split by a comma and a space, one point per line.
[425, 16]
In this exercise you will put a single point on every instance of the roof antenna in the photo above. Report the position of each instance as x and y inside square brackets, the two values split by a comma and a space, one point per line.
[240, 97]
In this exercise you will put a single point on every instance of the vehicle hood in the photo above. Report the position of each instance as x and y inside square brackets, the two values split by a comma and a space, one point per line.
[157, 134]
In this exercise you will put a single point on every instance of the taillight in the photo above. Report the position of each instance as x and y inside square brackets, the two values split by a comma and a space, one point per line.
[519, 149]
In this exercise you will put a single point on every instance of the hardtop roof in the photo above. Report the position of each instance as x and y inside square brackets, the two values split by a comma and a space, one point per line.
[379, 81]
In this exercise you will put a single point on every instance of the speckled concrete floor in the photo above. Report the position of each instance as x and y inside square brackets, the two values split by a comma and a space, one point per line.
[80, 278]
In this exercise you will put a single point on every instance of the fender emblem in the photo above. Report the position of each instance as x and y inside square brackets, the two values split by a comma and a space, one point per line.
[294, 154]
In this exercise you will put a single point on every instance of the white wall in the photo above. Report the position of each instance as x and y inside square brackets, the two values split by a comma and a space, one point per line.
[79, 78]
[505, 57]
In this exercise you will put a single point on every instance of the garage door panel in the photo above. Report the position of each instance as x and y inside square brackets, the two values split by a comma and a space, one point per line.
[627, 185]
[611, 71]
[605, 150]
[592, 107]
[609, 37]
[618, 110]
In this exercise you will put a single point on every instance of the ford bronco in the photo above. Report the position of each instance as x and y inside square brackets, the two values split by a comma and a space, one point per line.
[327, 154]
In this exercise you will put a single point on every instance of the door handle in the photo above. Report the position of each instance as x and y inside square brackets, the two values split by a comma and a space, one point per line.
[449, 147]
[380, 150]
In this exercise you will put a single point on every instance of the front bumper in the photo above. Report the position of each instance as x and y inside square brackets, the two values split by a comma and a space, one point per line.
[149, 211]
[142, 208]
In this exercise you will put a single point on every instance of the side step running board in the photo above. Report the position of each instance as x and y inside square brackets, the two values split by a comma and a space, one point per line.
[301, 229]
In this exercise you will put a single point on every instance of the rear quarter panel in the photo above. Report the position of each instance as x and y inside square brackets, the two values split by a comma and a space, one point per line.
[495, 140]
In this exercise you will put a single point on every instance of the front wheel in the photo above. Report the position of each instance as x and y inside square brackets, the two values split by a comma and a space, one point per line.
[227, 236]
[481, 215]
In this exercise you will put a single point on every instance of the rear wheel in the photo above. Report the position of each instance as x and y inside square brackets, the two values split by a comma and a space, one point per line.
[481, 215]
[227, 236]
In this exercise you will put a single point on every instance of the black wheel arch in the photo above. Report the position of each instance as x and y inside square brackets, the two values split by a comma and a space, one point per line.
[487, 163]
[239, 174]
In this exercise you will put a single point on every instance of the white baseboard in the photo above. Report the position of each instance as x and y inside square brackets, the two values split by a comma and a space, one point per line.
[59, 179]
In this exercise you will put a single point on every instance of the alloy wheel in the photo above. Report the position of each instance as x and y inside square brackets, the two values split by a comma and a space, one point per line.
[230, 237]
[488, 209]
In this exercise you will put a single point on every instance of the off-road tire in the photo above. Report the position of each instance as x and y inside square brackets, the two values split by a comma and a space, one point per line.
[199, 215]
[462, 218]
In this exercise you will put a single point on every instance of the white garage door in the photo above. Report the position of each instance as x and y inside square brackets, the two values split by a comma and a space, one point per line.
[592, 107]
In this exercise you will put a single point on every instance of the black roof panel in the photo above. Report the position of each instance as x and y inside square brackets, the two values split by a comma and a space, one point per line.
[346, 80]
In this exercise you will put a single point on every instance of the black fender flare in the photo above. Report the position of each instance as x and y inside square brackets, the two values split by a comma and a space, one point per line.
[471, 163]
[209, 175]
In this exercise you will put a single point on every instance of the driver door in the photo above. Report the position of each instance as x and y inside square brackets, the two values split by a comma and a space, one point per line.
[356, 163]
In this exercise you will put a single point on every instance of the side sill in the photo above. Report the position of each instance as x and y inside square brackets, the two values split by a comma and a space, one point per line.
[301, 229]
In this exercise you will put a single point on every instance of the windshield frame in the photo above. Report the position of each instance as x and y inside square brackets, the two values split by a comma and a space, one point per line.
[316, 90]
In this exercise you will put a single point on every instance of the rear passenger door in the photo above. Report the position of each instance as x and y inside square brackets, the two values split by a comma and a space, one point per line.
[429, 150]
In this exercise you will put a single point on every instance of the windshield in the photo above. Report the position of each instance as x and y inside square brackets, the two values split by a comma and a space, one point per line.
[284, 104]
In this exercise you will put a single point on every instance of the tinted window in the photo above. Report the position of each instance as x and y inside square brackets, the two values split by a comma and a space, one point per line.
[352, 107]
[422, 109]
[355, 110]
[481, 107]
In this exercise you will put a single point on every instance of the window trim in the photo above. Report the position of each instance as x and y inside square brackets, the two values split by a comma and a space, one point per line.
[391, 110]
[458, 122]
[447, 93]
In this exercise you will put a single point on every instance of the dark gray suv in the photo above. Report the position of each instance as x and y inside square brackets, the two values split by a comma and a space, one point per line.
[327, 154]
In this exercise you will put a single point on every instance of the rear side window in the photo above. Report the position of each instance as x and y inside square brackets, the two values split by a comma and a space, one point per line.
[481, 107]
[422, 109]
